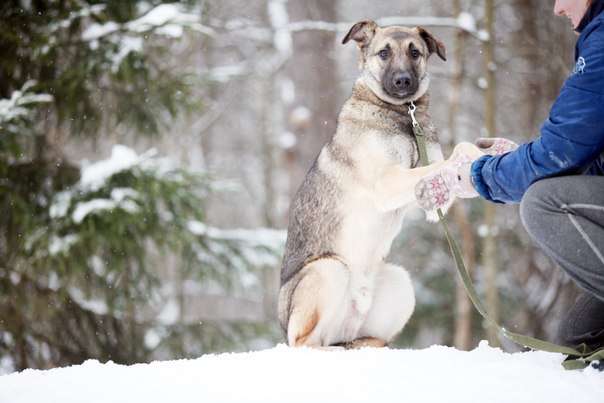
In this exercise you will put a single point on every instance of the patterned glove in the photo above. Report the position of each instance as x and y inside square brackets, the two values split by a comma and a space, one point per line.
[454, 179]
[495, 145]
[436, 189]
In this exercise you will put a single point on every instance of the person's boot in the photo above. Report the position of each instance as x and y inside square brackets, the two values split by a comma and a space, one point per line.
[584, 324]
[599, 365]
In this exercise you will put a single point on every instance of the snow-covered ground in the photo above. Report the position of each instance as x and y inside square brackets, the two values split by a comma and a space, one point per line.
[435, 375]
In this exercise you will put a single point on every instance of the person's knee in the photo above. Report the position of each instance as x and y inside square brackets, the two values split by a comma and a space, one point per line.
[533, 205]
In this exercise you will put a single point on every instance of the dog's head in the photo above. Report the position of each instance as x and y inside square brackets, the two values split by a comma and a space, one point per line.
[394, 59]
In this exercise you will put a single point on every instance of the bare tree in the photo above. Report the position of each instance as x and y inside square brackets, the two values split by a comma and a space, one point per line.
[462, 337]
[489, 254]
[313, 71]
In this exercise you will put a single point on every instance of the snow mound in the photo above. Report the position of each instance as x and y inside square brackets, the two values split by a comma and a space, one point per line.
[282, 374]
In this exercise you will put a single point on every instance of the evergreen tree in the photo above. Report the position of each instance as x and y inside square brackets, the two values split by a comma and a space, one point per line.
[79, 245]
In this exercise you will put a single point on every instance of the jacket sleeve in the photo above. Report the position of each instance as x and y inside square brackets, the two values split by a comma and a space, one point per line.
[571, 138]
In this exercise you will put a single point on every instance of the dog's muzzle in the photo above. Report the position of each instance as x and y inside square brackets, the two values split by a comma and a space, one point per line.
[401, 84]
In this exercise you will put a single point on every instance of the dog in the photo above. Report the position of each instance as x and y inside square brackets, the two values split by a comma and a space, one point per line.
[336, 288]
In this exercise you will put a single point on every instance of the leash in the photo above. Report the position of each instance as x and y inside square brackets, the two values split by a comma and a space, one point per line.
[576, 358]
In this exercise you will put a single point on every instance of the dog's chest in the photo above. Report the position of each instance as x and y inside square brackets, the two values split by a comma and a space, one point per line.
[378, 150]
[400, 149]
[395, 138]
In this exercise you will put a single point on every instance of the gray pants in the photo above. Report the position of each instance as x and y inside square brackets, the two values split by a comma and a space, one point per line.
[565, 217]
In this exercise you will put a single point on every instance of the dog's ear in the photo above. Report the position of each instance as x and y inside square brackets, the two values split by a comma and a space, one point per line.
[362, 32]
[434, 45]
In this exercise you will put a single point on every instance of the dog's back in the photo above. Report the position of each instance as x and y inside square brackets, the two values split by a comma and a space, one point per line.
[313, 222]
[313, 225]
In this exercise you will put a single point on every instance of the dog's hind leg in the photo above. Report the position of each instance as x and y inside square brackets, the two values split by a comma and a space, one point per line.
[317, 302]
[392, 305]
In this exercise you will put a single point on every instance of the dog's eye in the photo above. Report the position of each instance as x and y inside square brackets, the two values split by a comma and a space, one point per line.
[383, 54]
[415, 53]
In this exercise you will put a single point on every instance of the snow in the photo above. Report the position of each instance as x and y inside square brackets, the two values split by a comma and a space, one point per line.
[171, 31]
[122, 158]
[282, 374]
[61, 244]
[74, 15]
[152, 339]
[259, 246]
[222, 74]
[254, 237]
[482, 83]
[466, 21]
[54, 283]
[119, 194]
[85, 208]
[483, 35]
[15, 107]
[60, 204]
[170, 313]
[93, 177]
[300, 116]
[128, 44]
[161, 15]
[120, 198]
[287, 140]
[288, 91]
[98, 266]
[165, 19]
[282, 39]
[484, 230]
[170, 19]
[94, 305]
[96, 31]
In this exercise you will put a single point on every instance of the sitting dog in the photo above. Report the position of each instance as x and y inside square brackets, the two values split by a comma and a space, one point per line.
[336, 288]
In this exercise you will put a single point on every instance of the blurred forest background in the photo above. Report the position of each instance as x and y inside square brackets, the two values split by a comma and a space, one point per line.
[149, 150]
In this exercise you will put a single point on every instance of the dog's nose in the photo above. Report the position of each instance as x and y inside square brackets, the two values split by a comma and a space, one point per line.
[401, 81]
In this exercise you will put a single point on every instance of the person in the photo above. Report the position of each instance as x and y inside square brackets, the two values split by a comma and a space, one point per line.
[558, 178]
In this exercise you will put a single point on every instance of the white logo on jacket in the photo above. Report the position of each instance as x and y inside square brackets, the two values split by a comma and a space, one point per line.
[579, 66]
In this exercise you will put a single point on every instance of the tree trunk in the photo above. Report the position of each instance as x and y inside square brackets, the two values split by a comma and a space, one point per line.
[489, 254]
[462, 338]
[313, 70]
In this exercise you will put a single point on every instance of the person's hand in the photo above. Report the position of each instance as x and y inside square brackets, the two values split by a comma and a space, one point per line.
[453, 179]
[495, 145]
[464, 188]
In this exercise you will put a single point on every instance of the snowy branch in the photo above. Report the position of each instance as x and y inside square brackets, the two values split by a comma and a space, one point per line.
[259, 246]
[464, 22]
[281, 31]
[18, 106]
[165, 19]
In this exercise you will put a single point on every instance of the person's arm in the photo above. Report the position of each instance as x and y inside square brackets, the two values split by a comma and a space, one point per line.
[570, 139]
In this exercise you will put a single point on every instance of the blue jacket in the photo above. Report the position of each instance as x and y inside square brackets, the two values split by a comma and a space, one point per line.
[571, 139]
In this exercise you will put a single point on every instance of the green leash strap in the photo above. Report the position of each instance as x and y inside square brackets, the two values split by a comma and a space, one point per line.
[577, 358]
